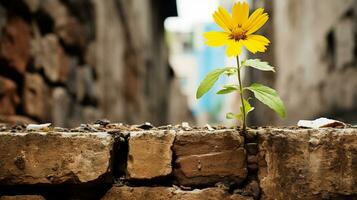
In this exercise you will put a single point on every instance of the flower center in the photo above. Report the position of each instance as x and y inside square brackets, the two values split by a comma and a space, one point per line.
[237, 34]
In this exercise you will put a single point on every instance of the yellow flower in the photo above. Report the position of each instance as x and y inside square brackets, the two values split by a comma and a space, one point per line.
[238, 30]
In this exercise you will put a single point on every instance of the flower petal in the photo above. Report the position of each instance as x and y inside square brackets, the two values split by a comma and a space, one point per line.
[234, 48]
[255, 21]
[258, 23]
[215, 38]
[256, 43]
[240, 13]
[223, 19]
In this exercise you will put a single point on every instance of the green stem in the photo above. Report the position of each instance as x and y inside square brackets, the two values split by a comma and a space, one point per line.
[241, 97]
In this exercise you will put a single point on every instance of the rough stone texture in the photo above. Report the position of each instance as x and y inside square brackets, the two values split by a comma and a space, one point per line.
[49, 55]
[163, 193]
[16, 119]
[150, 148]
[125, 70]
[67, 27]
[54, 158]
[316, 58]
[35, 97]
[102, 52]
[15, 44]
[308, 164]
[209, 157]
[22, 197]
[8, 96]
[60, 106]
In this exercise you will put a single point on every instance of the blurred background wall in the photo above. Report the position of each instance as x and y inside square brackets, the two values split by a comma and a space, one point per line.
[314, 47]
[75, 61]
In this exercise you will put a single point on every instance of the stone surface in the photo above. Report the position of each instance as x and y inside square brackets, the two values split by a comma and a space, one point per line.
[163, 193]
[345, 42]
[122, 60]
[22, 197]
[209, 157]
[16, 119]
[308, 164]
[49, 55]
[60, 106]
[84, 83]
[150, 148]
[53, 157]
[321, 57]
[67, 27]
[35, 96]
[15, 44]
[8, 96]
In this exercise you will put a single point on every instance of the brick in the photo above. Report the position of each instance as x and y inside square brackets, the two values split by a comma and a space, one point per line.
[49, 55]
[308, 164]
[22, 197]
[15, 44]
[150, 154]
[209, 157]
[54, 157]
[8, 96]
[60, 106]
[144, 193]
[36, 96]
[67, 27]
[16, 119]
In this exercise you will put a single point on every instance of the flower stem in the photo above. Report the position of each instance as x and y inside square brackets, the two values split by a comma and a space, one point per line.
[241, 97]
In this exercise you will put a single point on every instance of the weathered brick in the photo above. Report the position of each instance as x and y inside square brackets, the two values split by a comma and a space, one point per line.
[8, 96]
[16, 119]
[49, 55]
[36, 96]
[54, 157]
[150, 154]
[22, 197]
[209, 157]
[163, 193]
[308, 164]
[67, 27]
[15, 44]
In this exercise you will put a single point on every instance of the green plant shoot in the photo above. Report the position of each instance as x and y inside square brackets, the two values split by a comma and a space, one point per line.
[238, 31]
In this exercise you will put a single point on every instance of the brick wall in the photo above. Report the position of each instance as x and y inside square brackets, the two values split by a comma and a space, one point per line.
[70, 61]
[314, 50]
[115, 161]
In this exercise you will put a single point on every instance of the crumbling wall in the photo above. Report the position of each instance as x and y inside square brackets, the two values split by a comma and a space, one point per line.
[70, 61]
[115, 161]
[316, 57]
[314, 49]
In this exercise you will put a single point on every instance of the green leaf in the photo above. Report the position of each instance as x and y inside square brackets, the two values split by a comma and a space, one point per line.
[247, 106]
[228, 89]
[210, 80]
[248, 109]
[269, 97]
[233, 116]
[231, 72]
[257, 64]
